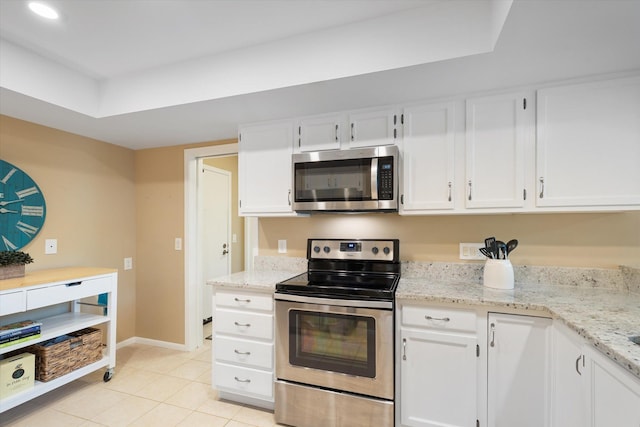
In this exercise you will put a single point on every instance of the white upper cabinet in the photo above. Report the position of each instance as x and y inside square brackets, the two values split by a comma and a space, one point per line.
[264, 163]
[496, 135]
[428, 158]
[370, 128]
[588, 144]
[320, 132]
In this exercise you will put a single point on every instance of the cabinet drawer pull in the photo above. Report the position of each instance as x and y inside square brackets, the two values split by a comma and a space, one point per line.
[236, 299]
[243, 353]
[444, 319]
[493, 335]
[68, 285]
[242, 380]
[245, 325]
[578, 364]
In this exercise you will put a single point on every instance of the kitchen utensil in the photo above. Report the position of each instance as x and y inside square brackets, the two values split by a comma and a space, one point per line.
[490, 244]
[511, 245]
[485, 252]
[501, 250]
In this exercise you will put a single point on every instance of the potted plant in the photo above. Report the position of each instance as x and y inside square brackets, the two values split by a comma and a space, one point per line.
[12, 264]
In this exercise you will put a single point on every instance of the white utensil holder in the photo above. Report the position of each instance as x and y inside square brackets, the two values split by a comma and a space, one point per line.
[498, 274]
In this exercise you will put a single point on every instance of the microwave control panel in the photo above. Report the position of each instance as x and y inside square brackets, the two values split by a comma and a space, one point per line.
[385, 178]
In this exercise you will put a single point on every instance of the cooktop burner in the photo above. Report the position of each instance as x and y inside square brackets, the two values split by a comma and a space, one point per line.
[348, 269]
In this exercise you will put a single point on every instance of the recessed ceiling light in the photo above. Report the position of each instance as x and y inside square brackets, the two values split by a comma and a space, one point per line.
[43, 10]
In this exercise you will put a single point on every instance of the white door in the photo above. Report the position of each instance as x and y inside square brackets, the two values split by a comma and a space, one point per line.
[518, 371]
[495, 151]
[438, 378]
[215, 220]
[588, 146]
[264, 157]
[428, 158]
[371, 128]
[319, 132]
[569, 400]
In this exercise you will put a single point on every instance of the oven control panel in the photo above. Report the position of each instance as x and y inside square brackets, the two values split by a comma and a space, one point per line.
[357, 249]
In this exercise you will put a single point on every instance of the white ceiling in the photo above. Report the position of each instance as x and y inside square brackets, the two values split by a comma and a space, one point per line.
[148, 73]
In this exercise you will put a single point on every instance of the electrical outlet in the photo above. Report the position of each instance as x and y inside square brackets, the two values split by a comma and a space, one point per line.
[282, 246]
[471, 251]
[51, 246]
[128, 263]
[177, 244]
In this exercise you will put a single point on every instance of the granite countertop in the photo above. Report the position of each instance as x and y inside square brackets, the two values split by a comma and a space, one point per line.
[596, 303]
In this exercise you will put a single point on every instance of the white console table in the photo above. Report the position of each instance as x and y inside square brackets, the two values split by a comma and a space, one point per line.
[53, 297]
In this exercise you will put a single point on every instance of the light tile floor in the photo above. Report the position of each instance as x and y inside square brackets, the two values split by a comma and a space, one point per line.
[152, 387]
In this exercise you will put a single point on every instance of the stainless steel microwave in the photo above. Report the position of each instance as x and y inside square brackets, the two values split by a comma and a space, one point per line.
[355, 180]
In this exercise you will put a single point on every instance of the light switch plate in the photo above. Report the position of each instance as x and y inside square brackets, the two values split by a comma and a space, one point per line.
[177, 244]
[128, 263]
[282, 246]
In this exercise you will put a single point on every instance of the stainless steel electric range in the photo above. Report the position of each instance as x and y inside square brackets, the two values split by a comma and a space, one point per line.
[335, 336]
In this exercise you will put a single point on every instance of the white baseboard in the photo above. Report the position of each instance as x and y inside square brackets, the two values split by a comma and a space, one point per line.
[155, 343]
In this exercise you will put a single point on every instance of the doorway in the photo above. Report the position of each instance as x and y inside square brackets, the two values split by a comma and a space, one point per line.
[244, 229]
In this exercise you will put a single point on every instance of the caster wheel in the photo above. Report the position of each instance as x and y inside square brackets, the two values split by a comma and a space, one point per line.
[107, 376]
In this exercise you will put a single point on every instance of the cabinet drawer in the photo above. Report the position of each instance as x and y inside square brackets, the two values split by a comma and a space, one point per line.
[56, 294]
[439, 318]
[244, 352]
[12, 302]
[245, 381]
[246, 324]
[247, 301]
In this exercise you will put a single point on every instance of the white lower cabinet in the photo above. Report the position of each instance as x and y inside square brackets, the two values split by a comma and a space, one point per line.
[589, 389]
[569, 395]
[438, 358]
[518, 370]
[243, 346]
[614, 394]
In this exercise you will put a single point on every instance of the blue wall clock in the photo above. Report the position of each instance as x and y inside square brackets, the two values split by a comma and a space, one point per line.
[22, 208]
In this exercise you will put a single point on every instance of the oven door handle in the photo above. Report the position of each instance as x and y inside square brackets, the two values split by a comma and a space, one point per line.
[338, 302]
[374, 178]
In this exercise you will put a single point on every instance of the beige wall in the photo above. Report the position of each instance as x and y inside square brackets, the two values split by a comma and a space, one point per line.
[89, 189]
[159, 177]
[230, 164]
[582, 240]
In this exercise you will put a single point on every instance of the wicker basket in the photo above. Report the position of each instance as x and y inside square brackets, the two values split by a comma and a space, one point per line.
[82, 348]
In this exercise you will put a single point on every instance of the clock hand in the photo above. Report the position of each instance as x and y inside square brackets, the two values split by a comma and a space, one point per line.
[11, 201]
[3, 210]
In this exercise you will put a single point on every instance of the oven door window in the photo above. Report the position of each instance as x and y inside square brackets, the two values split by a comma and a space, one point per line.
[333, 342]
[333, 181]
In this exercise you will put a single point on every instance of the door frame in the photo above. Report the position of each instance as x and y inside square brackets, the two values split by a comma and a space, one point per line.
[191, 266]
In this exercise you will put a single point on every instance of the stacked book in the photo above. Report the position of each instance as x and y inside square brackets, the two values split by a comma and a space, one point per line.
[18, 332]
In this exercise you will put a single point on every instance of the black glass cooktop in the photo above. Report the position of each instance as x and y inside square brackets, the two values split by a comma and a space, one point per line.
[344, 285]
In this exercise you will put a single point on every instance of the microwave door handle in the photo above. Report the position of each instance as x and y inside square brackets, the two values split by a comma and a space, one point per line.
[374, 178]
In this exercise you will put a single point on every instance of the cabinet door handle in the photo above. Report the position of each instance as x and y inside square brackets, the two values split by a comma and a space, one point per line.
[242, 380]
[493, 335]
[244, 325]
[449, 198]
[236, 299]
[336, 133]
[242, 353]
[404, 349]
[444, 319]
[542, 187]
[68, 285]
[289, 197]
[470, 189]
[578, 364]
[352, 126]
